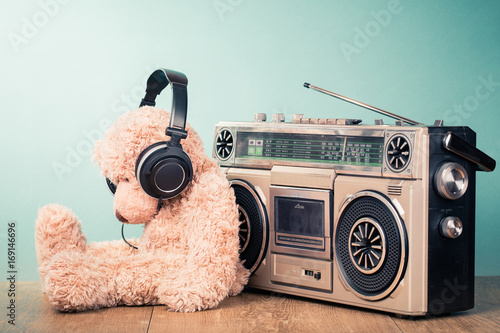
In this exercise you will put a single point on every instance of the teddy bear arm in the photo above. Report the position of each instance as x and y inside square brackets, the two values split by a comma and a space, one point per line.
[57, 229]
[212, 260]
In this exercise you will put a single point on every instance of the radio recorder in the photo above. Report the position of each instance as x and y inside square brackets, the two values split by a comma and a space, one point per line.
[377, 216]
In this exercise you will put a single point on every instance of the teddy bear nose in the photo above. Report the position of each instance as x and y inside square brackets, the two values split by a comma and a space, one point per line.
[120, 217]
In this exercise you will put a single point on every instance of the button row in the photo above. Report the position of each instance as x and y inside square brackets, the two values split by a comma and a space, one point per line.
[300, 119]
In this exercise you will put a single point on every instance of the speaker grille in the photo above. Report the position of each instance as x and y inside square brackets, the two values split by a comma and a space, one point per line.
[253, 227]
[398, 153]
[224, 144]
[379, 283]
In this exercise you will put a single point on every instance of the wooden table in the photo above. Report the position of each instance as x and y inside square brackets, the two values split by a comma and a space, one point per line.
[251, 311]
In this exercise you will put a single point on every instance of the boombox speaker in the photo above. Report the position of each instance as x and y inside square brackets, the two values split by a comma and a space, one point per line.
[254, 224]
[371, 245]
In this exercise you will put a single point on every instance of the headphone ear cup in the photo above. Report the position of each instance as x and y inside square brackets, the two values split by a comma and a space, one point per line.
[111, 186]
[163, 170]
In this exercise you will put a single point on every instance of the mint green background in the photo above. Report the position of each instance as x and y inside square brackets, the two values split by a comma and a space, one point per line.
[88, 63]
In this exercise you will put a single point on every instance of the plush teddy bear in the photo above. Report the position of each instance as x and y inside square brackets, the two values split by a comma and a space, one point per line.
[187, 257]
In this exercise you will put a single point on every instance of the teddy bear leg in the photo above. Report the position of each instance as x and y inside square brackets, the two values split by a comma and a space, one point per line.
[57, 229]
[76, 282]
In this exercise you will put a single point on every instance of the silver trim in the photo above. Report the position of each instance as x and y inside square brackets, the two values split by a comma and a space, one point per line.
[145, 157]
[292, 128]
[401, 229]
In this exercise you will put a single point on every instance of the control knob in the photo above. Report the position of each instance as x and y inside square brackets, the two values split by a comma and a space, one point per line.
[451, 180]
[450, 227]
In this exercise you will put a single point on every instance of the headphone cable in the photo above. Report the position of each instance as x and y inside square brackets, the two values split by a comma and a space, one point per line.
[160, 200]
[123, 237]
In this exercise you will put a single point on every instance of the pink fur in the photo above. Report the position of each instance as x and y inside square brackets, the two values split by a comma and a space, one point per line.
[188, 254]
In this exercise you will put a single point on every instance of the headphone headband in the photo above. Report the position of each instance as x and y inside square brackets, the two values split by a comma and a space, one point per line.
[164, 169]
[157, 81]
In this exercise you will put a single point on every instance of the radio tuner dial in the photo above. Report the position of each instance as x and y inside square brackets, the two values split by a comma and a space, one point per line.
[450, 227]
[451, 180]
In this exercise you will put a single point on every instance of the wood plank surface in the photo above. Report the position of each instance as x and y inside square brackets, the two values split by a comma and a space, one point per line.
[252, 311]
[484, 317]
[34, 314]
[270, 312]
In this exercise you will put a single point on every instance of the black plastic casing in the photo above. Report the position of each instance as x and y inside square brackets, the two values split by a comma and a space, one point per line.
[450, 261]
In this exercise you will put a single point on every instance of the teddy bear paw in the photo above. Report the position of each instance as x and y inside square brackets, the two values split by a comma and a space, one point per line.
[57, 229]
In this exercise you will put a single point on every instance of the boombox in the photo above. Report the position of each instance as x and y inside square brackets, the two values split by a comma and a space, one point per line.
[377, 216]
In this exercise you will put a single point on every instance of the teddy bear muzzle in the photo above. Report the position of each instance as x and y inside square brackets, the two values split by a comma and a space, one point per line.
[120, 217]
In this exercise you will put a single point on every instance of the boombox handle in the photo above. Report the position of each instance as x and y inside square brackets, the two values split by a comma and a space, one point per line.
[455, 144]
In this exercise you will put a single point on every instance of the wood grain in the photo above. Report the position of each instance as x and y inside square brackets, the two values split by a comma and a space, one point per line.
[252, 311]
[485, 317]
[34, 314]
[271, 312]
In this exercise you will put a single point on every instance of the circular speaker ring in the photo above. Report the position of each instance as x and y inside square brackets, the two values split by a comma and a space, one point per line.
[245, 229]
[254, 224]
[371, 245]
[367, 245]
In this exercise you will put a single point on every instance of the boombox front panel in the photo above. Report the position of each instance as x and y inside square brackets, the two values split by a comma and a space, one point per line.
[429, 272]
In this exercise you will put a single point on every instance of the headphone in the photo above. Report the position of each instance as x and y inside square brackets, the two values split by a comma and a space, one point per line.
[164, 169]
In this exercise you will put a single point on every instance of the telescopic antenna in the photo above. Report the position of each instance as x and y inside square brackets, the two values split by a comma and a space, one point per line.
[366, 106]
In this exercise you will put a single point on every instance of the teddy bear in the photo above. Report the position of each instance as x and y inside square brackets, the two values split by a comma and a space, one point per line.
[187, 257]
